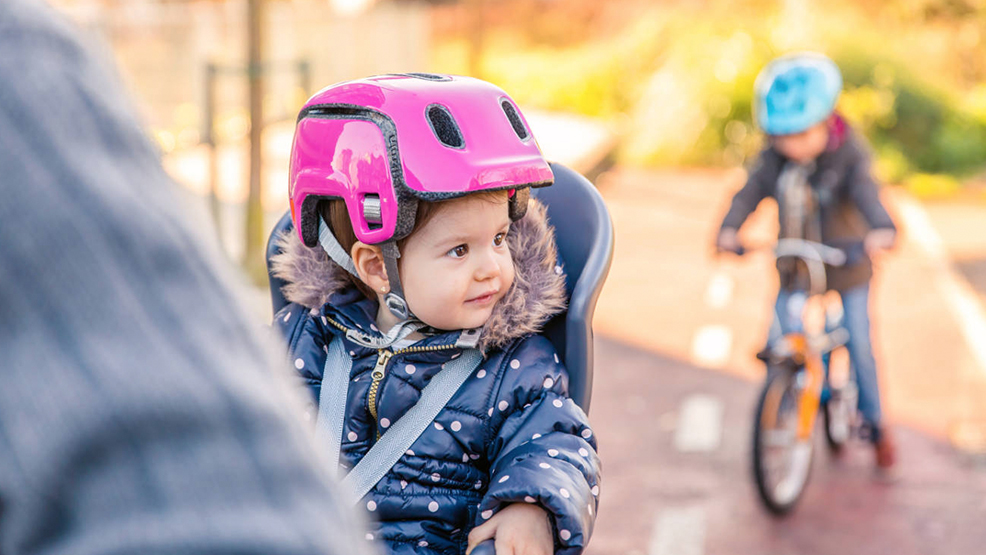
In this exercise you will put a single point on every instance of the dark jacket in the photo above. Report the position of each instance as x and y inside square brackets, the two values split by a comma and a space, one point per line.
[509, 435]
[847, 199]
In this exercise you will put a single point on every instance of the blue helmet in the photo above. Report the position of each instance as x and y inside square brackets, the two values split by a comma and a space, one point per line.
[795, 92]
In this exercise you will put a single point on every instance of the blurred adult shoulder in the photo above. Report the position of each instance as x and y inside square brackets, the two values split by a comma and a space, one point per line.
[142, 410]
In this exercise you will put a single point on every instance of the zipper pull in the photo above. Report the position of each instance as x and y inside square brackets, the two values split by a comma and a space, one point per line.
[383, 357]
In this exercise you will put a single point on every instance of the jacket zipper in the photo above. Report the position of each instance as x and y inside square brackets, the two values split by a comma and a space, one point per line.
[380, 369]
[383, 357]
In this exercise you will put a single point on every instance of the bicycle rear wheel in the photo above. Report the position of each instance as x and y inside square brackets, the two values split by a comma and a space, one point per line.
[781, 461]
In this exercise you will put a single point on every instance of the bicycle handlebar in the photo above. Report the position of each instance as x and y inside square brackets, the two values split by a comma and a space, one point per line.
[815, 256]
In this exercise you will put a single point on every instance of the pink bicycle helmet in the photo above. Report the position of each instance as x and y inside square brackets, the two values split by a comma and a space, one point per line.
[383, 143]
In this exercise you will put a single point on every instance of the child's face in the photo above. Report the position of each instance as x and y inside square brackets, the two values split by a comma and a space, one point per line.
[457, 265]
[805, 146]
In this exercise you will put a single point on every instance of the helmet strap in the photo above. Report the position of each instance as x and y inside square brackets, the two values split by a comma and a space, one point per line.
[395, 298]
[332, 248]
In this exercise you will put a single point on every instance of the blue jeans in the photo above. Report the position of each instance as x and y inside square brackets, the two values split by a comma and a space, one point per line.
[856, 320]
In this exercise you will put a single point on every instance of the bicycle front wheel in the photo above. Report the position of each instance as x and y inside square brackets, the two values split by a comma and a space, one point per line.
[781, 460]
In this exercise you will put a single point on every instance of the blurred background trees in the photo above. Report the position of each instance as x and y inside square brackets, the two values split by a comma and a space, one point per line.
[672, 79]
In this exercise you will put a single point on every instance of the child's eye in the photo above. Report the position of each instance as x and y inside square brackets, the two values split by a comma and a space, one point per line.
[458, 252]
[499, 239]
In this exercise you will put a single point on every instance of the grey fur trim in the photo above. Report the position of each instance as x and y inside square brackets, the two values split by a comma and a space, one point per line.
[537, 294]
[310, 276]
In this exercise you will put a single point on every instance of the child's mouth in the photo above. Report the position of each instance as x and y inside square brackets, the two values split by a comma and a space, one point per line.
[484, 299]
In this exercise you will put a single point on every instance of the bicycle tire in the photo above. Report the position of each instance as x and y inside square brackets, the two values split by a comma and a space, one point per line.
[779, 500]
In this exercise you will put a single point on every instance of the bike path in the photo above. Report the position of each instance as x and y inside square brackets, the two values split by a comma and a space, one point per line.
[657, 499]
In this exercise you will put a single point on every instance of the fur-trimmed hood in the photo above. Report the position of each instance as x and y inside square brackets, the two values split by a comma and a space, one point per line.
[537, 294]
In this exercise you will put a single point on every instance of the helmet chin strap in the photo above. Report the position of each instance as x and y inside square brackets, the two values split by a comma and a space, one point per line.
[332, 248]
[395, 298]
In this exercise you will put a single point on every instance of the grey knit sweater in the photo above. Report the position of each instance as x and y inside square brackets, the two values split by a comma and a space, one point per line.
[139, 408]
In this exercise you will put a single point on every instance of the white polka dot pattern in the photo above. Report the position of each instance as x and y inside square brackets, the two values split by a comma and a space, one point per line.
[595, 490]
[384, 422]
[583, 451]
[515, 364]
[481, 374]
[565, 535]
[371, 505]
[557, 403]
[486, 514]
[544, 465]
[439, 427]
[548, 382]
[352, 436]
[587, 433]
[456, 425]
[299, 364]
[552, 452]
[436, 477]
[503, 479]
[503, 405]
[410, 369]
[529, 499]
[564, 493]
[433, 506]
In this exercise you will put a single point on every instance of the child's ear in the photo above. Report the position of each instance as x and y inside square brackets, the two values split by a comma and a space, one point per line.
[368, 260]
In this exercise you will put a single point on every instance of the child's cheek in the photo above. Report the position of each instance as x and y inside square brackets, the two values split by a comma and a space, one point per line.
[508, 274]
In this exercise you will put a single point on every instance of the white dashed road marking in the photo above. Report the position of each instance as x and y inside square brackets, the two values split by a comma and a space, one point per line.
[699, 424]
[679, 531]
[711, 346]
[720, 290]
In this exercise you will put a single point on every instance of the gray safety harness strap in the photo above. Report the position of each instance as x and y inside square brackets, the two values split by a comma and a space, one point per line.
[402, 434]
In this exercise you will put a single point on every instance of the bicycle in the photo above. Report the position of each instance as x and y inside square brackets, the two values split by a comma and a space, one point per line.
[799, 384]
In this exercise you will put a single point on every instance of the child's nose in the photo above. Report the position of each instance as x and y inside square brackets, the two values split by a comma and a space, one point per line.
[488, 266]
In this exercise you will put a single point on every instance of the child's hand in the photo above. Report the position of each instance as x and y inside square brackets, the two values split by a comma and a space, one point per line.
[518, 529]
[878, 240]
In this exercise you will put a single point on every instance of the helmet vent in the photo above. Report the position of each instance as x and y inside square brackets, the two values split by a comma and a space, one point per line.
[515, 120]
[444, 126]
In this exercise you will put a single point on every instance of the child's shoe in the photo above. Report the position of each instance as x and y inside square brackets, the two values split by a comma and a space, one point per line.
[886, 456]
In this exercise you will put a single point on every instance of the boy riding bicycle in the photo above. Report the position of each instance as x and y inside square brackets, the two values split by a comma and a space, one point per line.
[818, 170]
